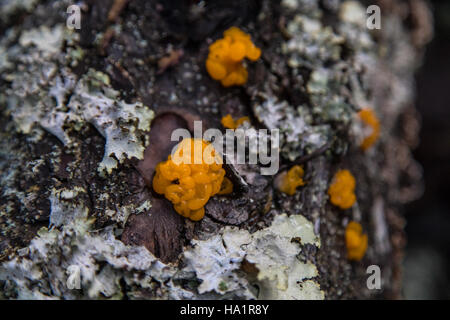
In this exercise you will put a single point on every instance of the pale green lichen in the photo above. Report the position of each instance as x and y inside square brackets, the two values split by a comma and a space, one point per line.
[298, 135]
[123, 125]
[67, 206]
[121, 214]
[315, 56]
[43, 270]
[53, 98]
[215, 262]
[311, 43]
[309, 7]
[280, 274]
[9, 7]
[47, 41]
[353, 12]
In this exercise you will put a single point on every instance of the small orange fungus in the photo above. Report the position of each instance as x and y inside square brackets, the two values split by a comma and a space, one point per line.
[355, 241]
[224, 62]
[370, 119]
[190, 177]
[291, 180]
[342, 189]
[229, 123]
[227, 186]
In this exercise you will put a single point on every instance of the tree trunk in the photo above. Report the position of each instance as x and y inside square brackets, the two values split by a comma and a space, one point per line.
[87, 114]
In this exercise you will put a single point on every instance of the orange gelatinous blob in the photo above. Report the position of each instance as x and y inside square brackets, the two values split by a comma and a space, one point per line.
[292, 179]
[241, 121]
[370, 119]
[356, 241]
[342, 190]
[226, 187]
[190, 185]
[224, 62]
[229, 123]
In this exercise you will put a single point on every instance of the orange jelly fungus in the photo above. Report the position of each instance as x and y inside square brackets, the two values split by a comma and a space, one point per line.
[292, 179]
[191, 177]
[355, 241]
[342, 189]
[229, 123]
[370, 119]
[224, 62]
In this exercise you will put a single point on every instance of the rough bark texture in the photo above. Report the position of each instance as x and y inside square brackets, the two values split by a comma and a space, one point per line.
[319, 66]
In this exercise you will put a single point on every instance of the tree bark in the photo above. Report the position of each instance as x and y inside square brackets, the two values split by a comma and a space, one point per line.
[320, 64]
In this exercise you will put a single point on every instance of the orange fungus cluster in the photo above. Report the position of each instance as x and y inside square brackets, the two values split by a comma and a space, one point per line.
[342, 190]
[190, 177]
[370, 119]
[291, 180]
[355, 241]
[229, 123]
[225, 57]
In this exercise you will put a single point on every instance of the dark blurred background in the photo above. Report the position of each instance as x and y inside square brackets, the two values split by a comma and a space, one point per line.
[427, 260]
